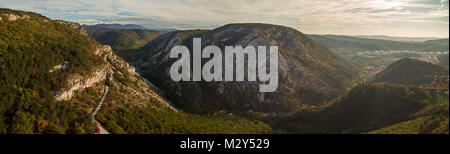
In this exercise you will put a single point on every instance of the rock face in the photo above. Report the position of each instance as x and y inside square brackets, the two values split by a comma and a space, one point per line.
[13, 17]
[59, 67]
[308, 72]
[104, 49]
[78, 83]
[75, 26]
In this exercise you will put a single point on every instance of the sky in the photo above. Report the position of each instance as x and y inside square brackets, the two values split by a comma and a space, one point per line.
[407, 18]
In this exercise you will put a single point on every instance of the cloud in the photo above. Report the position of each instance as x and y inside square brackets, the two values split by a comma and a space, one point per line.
[351, 17]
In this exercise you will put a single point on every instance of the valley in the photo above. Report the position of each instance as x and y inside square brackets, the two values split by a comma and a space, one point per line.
[374, 55]
[59, 77]
[374, 62]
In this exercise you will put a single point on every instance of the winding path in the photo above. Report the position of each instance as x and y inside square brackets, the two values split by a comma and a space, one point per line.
[155, 95]
[95, 122]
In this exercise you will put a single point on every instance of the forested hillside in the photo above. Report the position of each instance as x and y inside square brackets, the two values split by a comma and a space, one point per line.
[413, 72]
[122, 39]
[52, 76]
[374, 106]
[30, 46]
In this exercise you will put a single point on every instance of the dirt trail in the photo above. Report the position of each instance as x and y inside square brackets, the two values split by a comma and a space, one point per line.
[95, 122]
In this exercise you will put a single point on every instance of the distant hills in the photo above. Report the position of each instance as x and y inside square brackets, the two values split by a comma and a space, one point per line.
[413, 72]
[128, 26]
[340, 44]
[122, 39]
[394, 38]
[165, 29]
[375, 54]
[337, 43]
[443, 42]
[115, 26]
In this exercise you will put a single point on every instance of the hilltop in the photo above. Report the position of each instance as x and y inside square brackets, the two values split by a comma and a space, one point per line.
[413, 72]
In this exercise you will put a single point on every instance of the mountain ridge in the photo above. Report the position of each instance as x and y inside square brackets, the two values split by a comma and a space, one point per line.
[122, 39]
[341, 43]
[298, 55]
[399, 38]
[116, 26]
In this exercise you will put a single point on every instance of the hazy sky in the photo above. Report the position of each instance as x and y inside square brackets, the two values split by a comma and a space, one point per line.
[346, 17]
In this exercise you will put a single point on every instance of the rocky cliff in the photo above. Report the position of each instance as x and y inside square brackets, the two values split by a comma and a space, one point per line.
[105, 73]
[75, 26]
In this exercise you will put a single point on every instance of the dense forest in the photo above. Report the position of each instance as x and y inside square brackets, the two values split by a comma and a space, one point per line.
[136, 120]
[30, 47]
